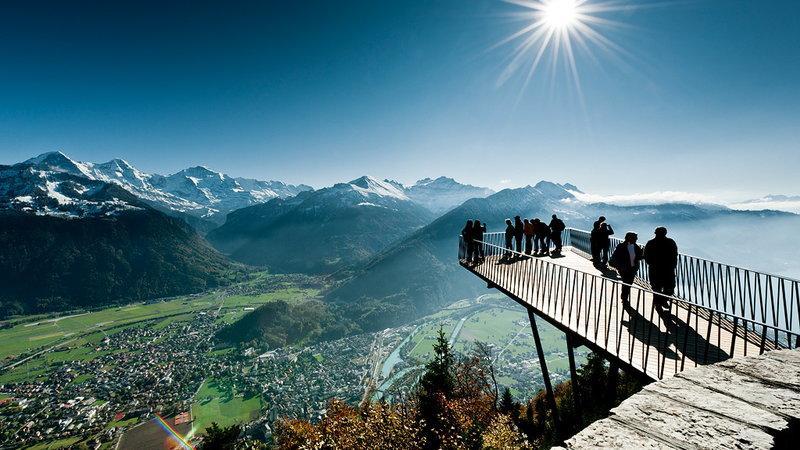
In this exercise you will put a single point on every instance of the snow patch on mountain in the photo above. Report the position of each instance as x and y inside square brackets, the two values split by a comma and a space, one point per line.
[368, 186]
[443, 193]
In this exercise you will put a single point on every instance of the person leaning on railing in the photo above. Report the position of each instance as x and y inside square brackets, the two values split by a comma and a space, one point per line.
[626, 259]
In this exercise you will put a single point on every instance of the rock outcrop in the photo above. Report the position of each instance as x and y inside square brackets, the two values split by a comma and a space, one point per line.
[743, 403]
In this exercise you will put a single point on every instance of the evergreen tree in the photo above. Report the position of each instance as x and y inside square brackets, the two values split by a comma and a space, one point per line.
[435, 386]
[507, 404]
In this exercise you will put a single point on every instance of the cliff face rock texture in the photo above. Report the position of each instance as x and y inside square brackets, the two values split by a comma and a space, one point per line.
[744, 403]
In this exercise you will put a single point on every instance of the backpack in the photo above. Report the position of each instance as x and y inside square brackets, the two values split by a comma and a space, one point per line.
[558, 225]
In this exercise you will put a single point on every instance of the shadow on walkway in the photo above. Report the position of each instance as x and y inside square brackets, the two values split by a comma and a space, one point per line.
[679, 335]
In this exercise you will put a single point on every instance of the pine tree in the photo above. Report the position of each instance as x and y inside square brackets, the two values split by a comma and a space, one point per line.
[507, 403]
[435, 387]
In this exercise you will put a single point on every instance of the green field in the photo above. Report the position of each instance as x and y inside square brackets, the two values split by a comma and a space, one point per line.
[53, 445]
[421, 344]
[217, 401]
[41, 333]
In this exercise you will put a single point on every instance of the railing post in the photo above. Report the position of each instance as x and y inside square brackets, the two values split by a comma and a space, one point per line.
[551, 398]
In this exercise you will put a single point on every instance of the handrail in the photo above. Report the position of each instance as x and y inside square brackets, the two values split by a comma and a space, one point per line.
[569, 230]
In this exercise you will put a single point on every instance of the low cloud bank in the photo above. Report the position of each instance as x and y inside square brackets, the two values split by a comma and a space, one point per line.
[648, 198]
[775, 202]
[778, 205]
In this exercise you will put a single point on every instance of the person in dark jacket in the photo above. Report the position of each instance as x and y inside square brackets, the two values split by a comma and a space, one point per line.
[604, 240]
[509, 238]
[661, 255]
[477, 238]
[519, 232]
[535, 224]
[543, 236]
[527, 228]
[626, 259]
[595, 240]
[466, 234]
[594, 243]
[598, 222]
[556, 228]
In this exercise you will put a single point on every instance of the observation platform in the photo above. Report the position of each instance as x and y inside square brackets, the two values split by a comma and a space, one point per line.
[718, 311]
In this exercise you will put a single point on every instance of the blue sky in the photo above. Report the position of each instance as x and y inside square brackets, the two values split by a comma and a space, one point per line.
[706, 97]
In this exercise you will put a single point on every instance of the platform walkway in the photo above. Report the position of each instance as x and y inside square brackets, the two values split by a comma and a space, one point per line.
[570, 293]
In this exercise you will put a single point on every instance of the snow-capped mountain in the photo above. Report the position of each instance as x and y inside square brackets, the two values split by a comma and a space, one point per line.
[443, 193]
[196, 191]
[54, 185]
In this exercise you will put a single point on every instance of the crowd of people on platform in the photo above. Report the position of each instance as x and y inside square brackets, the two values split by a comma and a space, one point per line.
[533, 237]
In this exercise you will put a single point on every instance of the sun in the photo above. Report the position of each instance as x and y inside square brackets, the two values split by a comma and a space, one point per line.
[554, 31]
[560, 14]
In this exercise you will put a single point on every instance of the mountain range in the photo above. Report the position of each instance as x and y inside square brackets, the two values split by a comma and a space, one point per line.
[75, 234]
[99, 233]
[194, 193]
[321, 231]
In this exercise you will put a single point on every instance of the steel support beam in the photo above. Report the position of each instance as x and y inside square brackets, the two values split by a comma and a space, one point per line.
[613, 377]
[573, 375]
[551, 398]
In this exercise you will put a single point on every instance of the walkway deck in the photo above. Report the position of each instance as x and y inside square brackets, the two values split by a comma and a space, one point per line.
[574, 296]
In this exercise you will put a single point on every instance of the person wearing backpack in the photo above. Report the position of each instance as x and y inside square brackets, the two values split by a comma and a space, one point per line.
[556, 228]
[626, 259]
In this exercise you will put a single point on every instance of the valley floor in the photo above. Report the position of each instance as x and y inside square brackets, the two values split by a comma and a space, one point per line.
[94, 377]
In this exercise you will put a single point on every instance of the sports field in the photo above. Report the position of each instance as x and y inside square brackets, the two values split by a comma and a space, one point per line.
[218, 401]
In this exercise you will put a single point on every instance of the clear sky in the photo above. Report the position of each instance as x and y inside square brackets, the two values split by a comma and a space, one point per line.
[705, 97]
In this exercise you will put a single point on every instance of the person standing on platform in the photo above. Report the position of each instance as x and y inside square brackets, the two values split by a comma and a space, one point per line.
[535, 225]
[509, 238]
[556, 228]
[477, 240]
[528, 225]
[543, 236]
[519, 232]
[466, 235]
[626, 259]
[599, 222]
[605, 243]
[594, 242]
[661, 255]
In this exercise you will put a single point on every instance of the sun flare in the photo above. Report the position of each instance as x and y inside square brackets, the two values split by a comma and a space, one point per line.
[560, 13]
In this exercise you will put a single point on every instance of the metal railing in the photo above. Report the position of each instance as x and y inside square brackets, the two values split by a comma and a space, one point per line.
[693, 331]
[742, 292]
